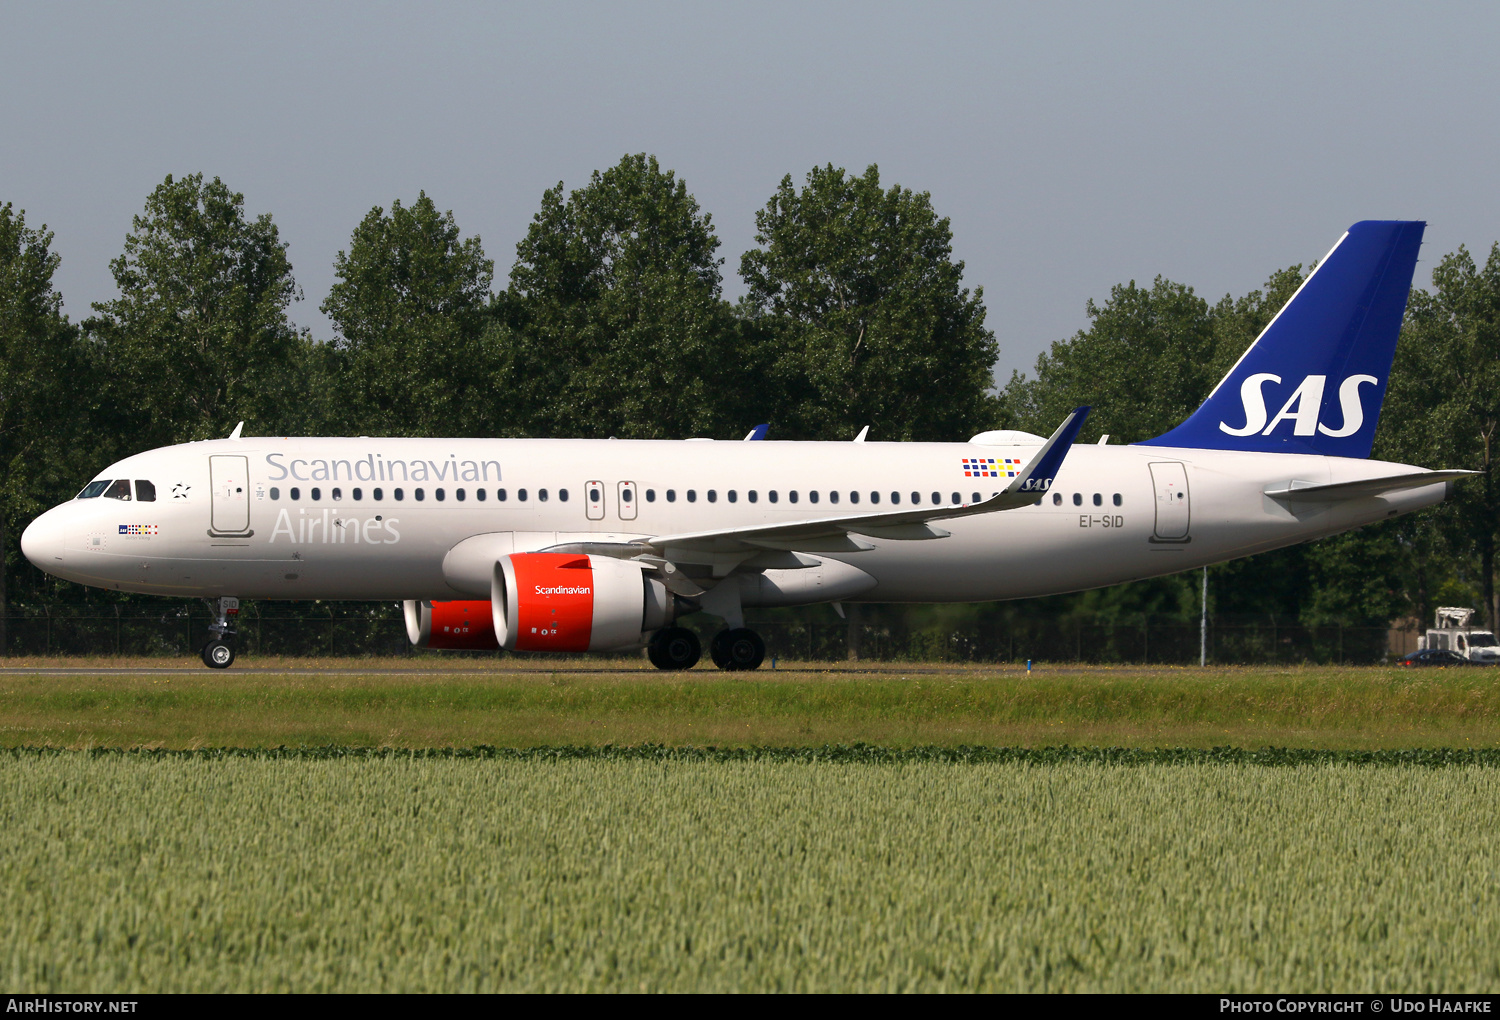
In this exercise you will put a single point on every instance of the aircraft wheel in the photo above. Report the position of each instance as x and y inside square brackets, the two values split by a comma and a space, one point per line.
[740, 649]
[674, 648]
[218, 654]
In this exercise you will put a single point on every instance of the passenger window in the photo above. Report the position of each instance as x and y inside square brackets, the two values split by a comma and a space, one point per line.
[317, 494]
[145, 492]
[500, 495]
[692, 495]
[541, 494]
[275, 492]
[1078, 499]
[1117, 499]
[734, 497]
[439, 495]
[936, 498]
[296, 493]
[916, 499]
[1057, 499]
[976, 497]
[359, 494]
[480, 495]
[671, 495]
[562, 494]
[713, 495]
[833, 497]
[521, 495]
[594, 494]
[400, 494]
[1098, 499]
[118, 490]
[753, 495]
[417, 494]
[854, 497]
[459, 495]
[875, 497]
[379, 495]
[650, 495]
[772, 496]
[93, 489]
[338, 493]
[812, 497]
[957, 498]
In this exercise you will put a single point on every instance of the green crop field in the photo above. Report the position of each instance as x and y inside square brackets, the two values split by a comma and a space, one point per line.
[144, 872]
[824, 827]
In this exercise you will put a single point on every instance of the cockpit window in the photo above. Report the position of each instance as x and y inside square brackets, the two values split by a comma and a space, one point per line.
[93, 489]
[118, 489]
[145, 492]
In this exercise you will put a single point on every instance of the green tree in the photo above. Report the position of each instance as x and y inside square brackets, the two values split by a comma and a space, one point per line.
[1143, 365]
[199, 337]
[1147, 360]
[411, 356]
[45, 390]
[1443, 407]
[615, 317]
[857, 295]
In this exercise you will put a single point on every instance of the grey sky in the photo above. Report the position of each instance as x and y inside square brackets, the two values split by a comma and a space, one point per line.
[1074, 146]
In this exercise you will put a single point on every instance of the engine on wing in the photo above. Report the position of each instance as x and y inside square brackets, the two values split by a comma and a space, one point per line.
[451, 626]
[571, 602]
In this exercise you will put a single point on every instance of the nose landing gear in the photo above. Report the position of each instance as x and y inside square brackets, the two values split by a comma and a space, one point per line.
[218, 652]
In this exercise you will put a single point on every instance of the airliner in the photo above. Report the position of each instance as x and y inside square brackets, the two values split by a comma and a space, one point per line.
[573, 545]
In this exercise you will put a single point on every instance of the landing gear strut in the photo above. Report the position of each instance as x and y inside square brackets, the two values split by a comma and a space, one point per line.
[736, 649]
[674, 648]
[218, 652]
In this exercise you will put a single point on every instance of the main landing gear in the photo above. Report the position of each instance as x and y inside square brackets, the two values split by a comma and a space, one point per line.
[674, 648]
[218, 652]
[735, 649]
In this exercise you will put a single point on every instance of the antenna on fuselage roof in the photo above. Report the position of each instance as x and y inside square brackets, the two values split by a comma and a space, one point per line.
[236, 433]
[862, 433]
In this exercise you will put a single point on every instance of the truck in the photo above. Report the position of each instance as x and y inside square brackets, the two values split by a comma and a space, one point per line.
[1451, 631]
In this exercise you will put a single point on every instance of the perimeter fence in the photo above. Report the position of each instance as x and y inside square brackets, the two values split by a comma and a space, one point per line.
[379, 629]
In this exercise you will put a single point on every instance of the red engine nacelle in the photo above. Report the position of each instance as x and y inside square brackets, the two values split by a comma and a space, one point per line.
[451, 626]
[571, 602]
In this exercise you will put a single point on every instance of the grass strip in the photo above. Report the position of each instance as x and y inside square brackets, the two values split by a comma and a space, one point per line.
[1355, 709]
[843, 754]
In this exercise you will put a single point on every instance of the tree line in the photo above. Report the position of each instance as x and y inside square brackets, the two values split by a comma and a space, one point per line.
[613, 321]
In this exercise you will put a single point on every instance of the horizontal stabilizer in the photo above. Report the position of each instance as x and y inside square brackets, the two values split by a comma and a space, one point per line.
[1364, 487]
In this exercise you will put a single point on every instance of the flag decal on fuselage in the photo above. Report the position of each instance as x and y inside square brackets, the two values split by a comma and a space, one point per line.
[990, 467]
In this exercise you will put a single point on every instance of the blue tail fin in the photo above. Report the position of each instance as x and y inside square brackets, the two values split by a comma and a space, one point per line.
[1324, 360]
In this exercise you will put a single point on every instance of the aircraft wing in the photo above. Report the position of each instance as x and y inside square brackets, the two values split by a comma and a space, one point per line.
[1339, 491]
[834, 533]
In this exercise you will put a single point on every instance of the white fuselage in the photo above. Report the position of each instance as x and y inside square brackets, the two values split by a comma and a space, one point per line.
[322, 518]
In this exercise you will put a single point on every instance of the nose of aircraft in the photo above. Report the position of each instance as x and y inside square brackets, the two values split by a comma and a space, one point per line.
[42, 541]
